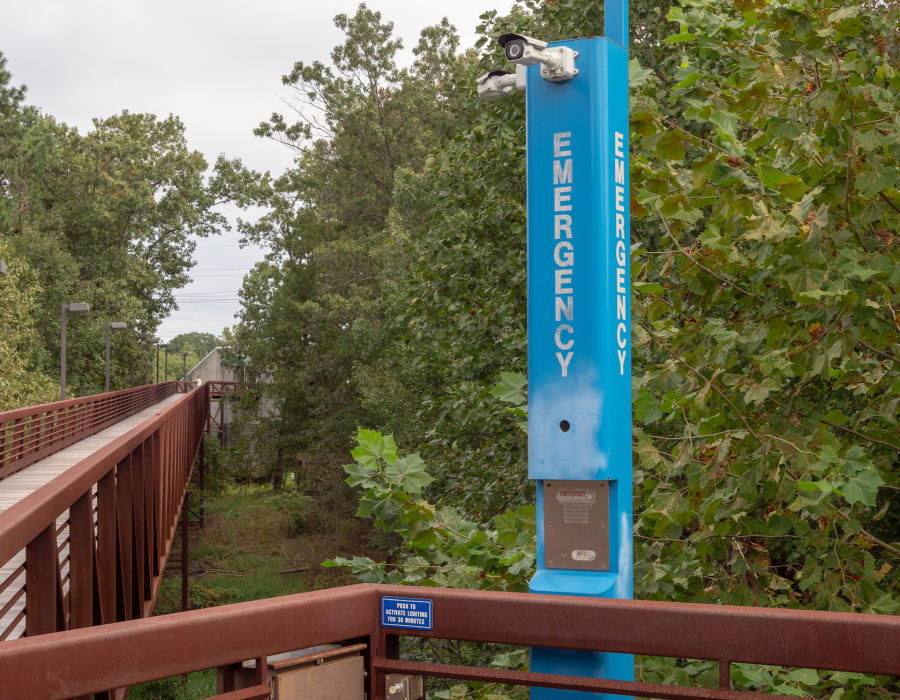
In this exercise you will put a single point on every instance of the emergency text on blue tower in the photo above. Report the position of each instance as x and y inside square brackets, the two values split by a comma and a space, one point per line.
[564, 252]
[622, 277]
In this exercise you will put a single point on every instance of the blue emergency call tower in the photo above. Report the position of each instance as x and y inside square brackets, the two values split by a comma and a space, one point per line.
[579, 316]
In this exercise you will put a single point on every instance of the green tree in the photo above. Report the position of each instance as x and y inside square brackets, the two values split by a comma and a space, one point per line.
[108, 218]
[320, 311]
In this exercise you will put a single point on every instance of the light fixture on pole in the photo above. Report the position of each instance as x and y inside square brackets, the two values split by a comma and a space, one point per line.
[184, 365]
[66, 309]
[115, 327]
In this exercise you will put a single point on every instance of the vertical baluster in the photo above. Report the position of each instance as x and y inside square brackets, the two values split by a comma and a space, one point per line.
[81, 562]
[106, 544]
[44, 612]
[125, 512]
[140, 538]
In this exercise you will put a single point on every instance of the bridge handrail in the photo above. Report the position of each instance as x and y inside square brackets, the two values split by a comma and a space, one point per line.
[124, 502]
[33, 433]
[80, 662]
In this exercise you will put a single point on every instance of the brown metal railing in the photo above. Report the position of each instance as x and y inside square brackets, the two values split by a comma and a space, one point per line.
[31, 434]
[76, 663]
[97, 537]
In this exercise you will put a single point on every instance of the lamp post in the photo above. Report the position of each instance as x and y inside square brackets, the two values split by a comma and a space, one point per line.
[140, 336]
[160, 345]
[66, 309]
[166, 362]
[184, 365]
[149, 342]
[114, 327]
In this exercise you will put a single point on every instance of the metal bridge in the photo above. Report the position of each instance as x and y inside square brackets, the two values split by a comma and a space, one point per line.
[91, 492]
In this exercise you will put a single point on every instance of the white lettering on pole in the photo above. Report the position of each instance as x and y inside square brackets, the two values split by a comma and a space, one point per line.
[563, 255]
[563, 277]
[620, 251]
[560, 196]
[562, 174]
[559, 144]
[564, 252]
[564, 308]
[564, 328]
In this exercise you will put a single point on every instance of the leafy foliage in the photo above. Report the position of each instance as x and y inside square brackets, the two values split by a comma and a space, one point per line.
[443, 548]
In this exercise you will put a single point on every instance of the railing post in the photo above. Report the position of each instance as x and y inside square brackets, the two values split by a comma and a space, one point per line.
[185, 600]
[43, 596]
[382, 646]
[725, 675]
[202, 470]
[81, 562]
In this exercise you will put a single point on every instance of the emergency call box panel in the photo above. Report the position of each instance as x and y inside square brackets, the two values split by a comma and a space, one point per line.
[576, 525]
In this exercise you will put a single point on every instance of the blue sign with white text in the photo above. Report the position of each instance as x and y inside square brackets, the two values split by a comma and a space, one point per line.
[409, 613]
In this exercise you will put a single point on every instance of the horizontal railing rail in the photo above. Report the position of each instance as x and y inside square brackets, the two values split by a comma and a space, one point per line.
[89, 547]
[79, 662]
[28, 435]
[217, 388]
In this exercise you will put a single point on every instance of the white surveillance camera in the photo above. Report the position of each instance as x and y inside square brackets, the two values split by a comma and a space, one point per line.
[496, 84]
[558, 63]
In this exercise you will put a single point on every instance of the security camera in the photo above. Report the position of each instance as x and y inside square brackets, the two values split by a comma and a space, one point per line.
[558, 63]
[496, 84]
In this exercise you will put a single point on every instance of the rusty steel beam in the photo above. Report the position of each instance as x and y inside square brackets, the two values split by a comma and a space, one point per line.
[798, 638]
[79, 662]
[257, 692]
[560, 682]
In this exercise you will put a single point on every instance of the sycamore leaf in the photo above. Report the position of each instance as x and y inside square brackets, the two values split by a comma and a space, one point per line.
[359, 475]
[374, 446]
[861, 487]
[511, 388]
[409, 473]
[637, 76]
[678, 38]
[726, 122]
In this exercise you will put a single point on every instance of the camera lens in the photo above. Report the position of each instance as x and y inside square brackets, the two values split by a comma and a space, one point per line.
[515, 49]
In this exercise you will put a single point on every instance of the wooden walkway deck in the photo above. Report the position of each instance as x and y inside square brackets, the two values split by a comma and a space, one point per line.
[17, 486]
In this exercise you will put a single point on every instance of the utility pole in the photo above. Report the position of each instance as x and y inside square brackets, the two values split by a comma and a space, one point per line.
[579, 321]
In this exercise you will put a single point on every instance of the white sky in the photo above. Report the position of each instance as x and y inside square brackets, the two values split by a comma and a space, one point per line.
[216, 65]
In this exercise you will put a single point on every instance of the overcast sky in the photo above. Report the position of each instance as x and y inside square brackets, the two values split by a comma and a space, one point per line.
[216, 65]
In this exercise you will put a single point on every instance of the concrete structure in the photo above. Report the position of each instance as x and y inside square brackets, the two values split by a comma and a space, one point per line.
[210, 369]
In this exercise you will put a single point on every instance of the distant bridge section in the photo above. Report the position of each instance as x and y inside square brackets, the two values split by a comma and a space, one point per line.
[90, 495]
